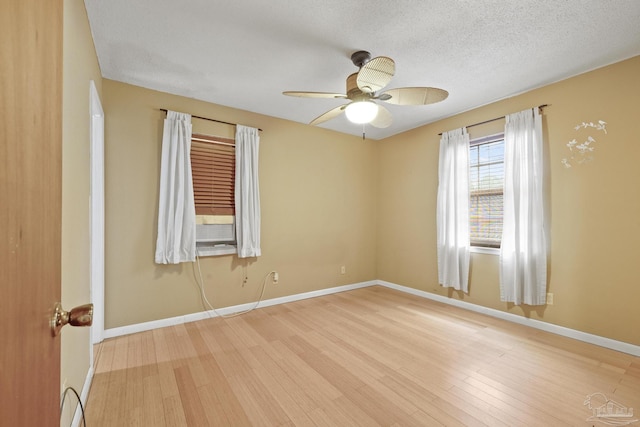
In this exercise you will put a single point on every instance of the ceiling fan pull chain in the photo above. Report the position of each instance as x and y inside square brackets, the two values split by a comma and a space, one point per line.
[363, 131]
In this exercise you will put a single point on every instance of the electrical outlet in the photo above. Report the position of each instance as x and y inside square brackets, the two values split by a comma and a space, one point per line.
[343, 270]
[549, 298]
[276, 277]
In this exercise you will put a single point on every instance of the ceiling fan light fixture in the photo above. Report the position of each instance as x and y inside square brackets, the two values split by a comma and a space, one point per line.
[361, 112]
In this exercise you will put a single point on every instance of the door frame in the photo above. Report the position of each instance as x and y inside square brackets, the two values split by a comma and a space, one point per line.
[96, 130]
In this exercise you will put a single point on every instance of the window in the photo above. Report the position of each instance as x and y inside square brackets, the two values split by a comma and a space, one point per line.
[486, 182]
[213, 162]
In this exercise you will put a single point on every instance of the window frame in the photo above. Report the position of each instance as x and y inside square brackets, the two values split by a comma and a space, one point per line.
[479, 246]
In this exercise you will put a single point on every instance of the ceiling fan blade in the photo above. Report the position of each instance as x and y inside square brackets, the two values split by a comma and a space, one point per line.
[415, 95]
[328, 115]
[383, 118]
[376, 74]
[314, 94]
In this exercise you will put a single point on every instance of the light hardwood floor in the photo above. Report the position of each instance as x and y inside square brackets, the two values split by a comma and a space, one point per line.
[367, 357]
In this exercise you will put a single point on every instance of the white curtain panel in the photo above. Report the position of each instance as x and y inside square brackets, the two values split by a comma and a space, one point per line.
[247, 196]
[176, 241]
[453, 210]
[523, 253]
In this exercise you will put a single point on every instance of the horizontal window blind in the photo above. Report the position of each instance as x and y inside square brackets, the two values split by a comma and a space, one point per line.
[213, 165]
[486, 183]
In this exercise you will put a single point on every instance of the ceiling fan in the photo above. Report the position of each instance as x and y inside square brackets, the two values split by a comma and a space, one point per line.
[363, 88]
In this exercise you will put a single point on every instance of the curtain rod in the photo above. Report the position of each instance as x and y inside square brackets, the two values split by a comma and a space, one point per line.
[211, 120]
[493, 120]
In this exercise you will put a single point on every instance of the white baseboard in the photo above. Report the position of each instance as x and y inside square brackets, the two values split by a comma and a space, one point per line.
[77, 416]
[147, 326]
[537, 324]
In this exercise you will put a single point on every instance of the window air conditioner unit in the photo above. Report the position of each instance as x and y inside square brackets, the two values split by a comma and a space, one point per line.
[216, 233]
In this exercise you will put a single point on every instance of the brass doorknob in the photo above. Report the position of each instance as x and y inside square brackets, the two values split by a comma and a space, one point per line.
[78, 316]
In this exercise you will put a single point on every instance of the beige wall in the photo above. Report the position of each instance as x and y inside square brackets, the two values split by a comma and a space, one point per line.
[318, 193]
[80, 65]
[594, 208]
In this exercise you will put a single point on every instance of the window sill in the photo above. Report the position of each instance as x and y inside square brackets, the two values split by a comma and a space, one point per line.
[217, 250]
[484, 250]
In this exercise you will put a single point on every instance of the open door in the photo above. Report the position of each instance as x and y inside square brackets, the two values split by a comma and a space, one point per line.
[30, 209]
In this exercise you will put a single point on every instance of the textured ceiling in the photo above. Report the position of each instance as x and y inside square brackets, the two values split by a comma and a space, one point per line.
[244, 54]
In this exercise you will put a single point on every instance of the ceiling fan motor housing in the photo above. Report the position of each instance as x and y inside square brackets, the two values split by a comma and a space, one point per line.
[353, 91]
